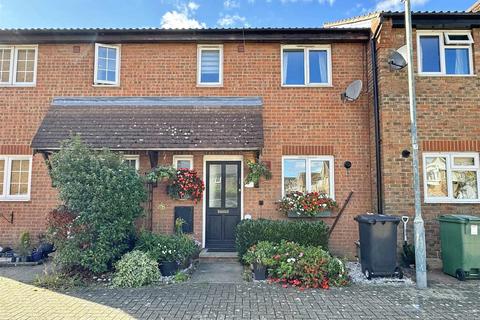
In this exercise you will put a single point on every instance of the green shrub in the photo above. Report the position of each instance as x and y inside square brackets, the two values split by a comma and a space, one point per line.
[57, 281]
[25, 244]
[103, 196]
[260, 253]
[305, 266]
[249, 232]
[160, 247]
[135, 269]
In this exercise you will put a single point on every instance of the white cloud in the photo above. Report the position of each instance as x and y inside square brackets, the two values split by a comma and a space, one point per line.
[231, 4]
[386, 5]
[232, 20]
[182, 18]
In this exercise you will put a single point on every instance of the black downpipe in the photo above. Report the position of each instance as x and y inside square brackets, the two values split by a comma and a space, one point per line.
[378, 139]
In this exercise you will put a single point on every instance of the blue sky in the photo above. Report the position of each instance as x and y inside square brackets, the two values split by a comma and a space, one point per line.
[196, 13]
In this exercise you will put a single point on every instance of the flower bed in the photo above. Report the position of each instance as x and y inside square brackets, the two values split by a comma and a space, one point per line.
[312, 204]
[289, 263]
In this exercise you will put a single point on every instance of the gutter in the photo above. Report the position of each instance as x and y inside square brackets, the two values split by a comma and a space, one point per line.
[378, 139]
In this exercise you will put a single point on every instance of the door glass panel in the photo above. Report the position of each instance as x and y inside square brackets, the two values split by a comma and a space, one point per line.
[215, 186]
[231, 186]
[464, 184]
[320, 176]
[436, 171]
[294, 175]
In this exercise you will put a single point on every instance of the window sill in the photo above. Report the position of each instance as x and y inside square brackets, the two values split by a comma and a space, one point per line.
[307, 86]
[19, 199]
[447, 201]
[207, 85]
[440, 75]
[26, 85]
[104, 85]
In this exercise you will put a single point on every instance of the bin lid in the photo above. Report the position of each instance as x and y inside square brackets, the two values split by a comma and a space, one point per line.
[374, 218]
[459, 218]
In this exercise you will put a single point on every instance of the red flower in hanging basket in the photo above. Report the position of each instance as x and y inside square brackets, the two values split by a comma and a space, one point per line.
[186, 185]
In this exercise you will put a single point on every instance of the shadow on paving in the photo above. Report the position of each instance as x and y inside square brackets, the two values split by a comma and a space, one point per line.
[263, 301]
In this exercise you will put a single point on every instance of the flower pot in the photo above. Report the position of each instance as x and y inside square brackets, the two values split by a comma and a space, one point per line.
[168, 268]
[37, 256]
[326, 213]
[259, 271]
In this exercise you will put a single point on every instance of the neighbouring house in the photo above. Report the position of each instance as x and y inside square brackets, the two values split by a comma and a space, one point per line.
[446, 58]
[207, 99]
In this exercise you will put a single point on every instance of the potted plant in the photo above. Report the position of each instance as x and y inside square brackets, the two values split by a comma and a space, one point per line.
[306, 205]
[161, 173]
[256, 170]
[24, 247]
[186, 185]
[260, 257]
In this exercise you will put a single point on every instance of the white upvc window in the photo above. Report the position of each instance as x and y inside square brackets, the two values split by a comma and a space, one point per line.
[133, 160]
[107, 64]
[306, 65]
[15, 178]
[18, 65]
[445, 53]
[210, 65]
[183, 162]
[451, 177]
[308, 174]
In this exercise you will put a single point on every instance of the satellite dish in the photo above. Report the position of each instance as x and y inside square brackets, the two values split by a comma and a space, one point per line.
[398, 59]
[353, 91]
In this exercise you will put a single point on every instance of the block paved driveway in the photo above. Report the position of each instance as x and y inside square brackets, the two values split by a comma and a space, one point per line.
[263, 301]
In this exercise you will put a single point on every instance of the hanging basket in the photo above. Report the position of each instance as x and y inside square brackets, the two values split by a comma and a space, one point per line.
[295, 215]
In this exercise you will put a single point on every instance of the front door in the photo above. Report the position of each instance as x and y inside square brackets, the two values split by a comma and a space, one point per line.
[223, 204]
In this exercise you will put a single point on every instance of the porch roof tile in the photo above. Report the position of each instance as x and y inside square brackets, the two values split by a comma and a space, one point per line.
[154, 123]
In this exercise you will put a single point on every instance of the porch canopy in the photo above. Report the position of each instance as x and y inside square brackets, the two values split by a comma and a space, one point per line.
[154, 123]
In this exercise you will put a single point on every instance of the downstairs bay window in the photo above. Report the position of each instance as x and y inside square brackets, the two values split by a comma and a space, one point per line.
[451, 177]
[308, 174]
[15, 176]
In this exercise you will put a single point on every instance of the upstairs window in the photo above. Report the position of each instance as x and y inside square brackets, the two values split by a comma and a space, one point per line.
[306, 66]
[210, 65]
[15, 175]
[451, 177]
[445, 53]
[107, 64]
[18, 65]
[132, 160]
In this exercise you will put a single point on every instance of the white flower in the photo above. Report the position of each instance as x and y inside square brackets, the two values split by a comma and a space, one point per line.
[291, 260]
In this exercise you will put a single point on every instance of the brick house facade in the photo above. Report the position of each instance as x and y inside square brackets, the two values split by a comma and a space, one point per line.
[448, 114]
[302, 121]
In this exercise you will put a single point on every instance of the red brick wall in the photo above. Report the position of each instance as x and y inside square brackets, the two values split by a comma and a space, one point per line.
[448, 120]
[292, 117]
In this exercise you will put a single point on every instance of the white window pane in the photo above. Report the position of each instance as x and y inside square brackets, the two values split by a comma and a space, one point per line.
[294, 175]
[102, 64]
[210, 66]
[436, 176]
[464, 184]
[111, 76]
[111, 53]
[111, 65]
[464, 161]
[19, 177]
[457, 61]
[184, 164]
[102, 52]
[320, 176]
[5, 61]
[430, 48]
[318, 66]
[215, 186]
[231, 186]
[101, 75]
[293, 66]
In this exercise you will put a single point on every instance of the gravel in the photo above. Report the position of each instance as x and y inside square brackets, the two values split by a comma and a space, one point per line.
[355, 272]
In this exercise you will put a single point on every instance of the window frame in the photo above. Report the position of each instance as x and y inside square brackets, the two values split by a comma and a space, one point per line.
[308, 177]
[6, 196]
[12, 79]
[442, 34]
[306, 65]
[177, 158]
[134, 157]
[206, 47]
[449, 156]
[106, 83]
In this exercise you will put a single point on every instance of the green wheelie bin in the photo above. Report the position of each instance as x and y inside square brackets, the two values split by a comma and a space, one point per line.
[460, 242]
